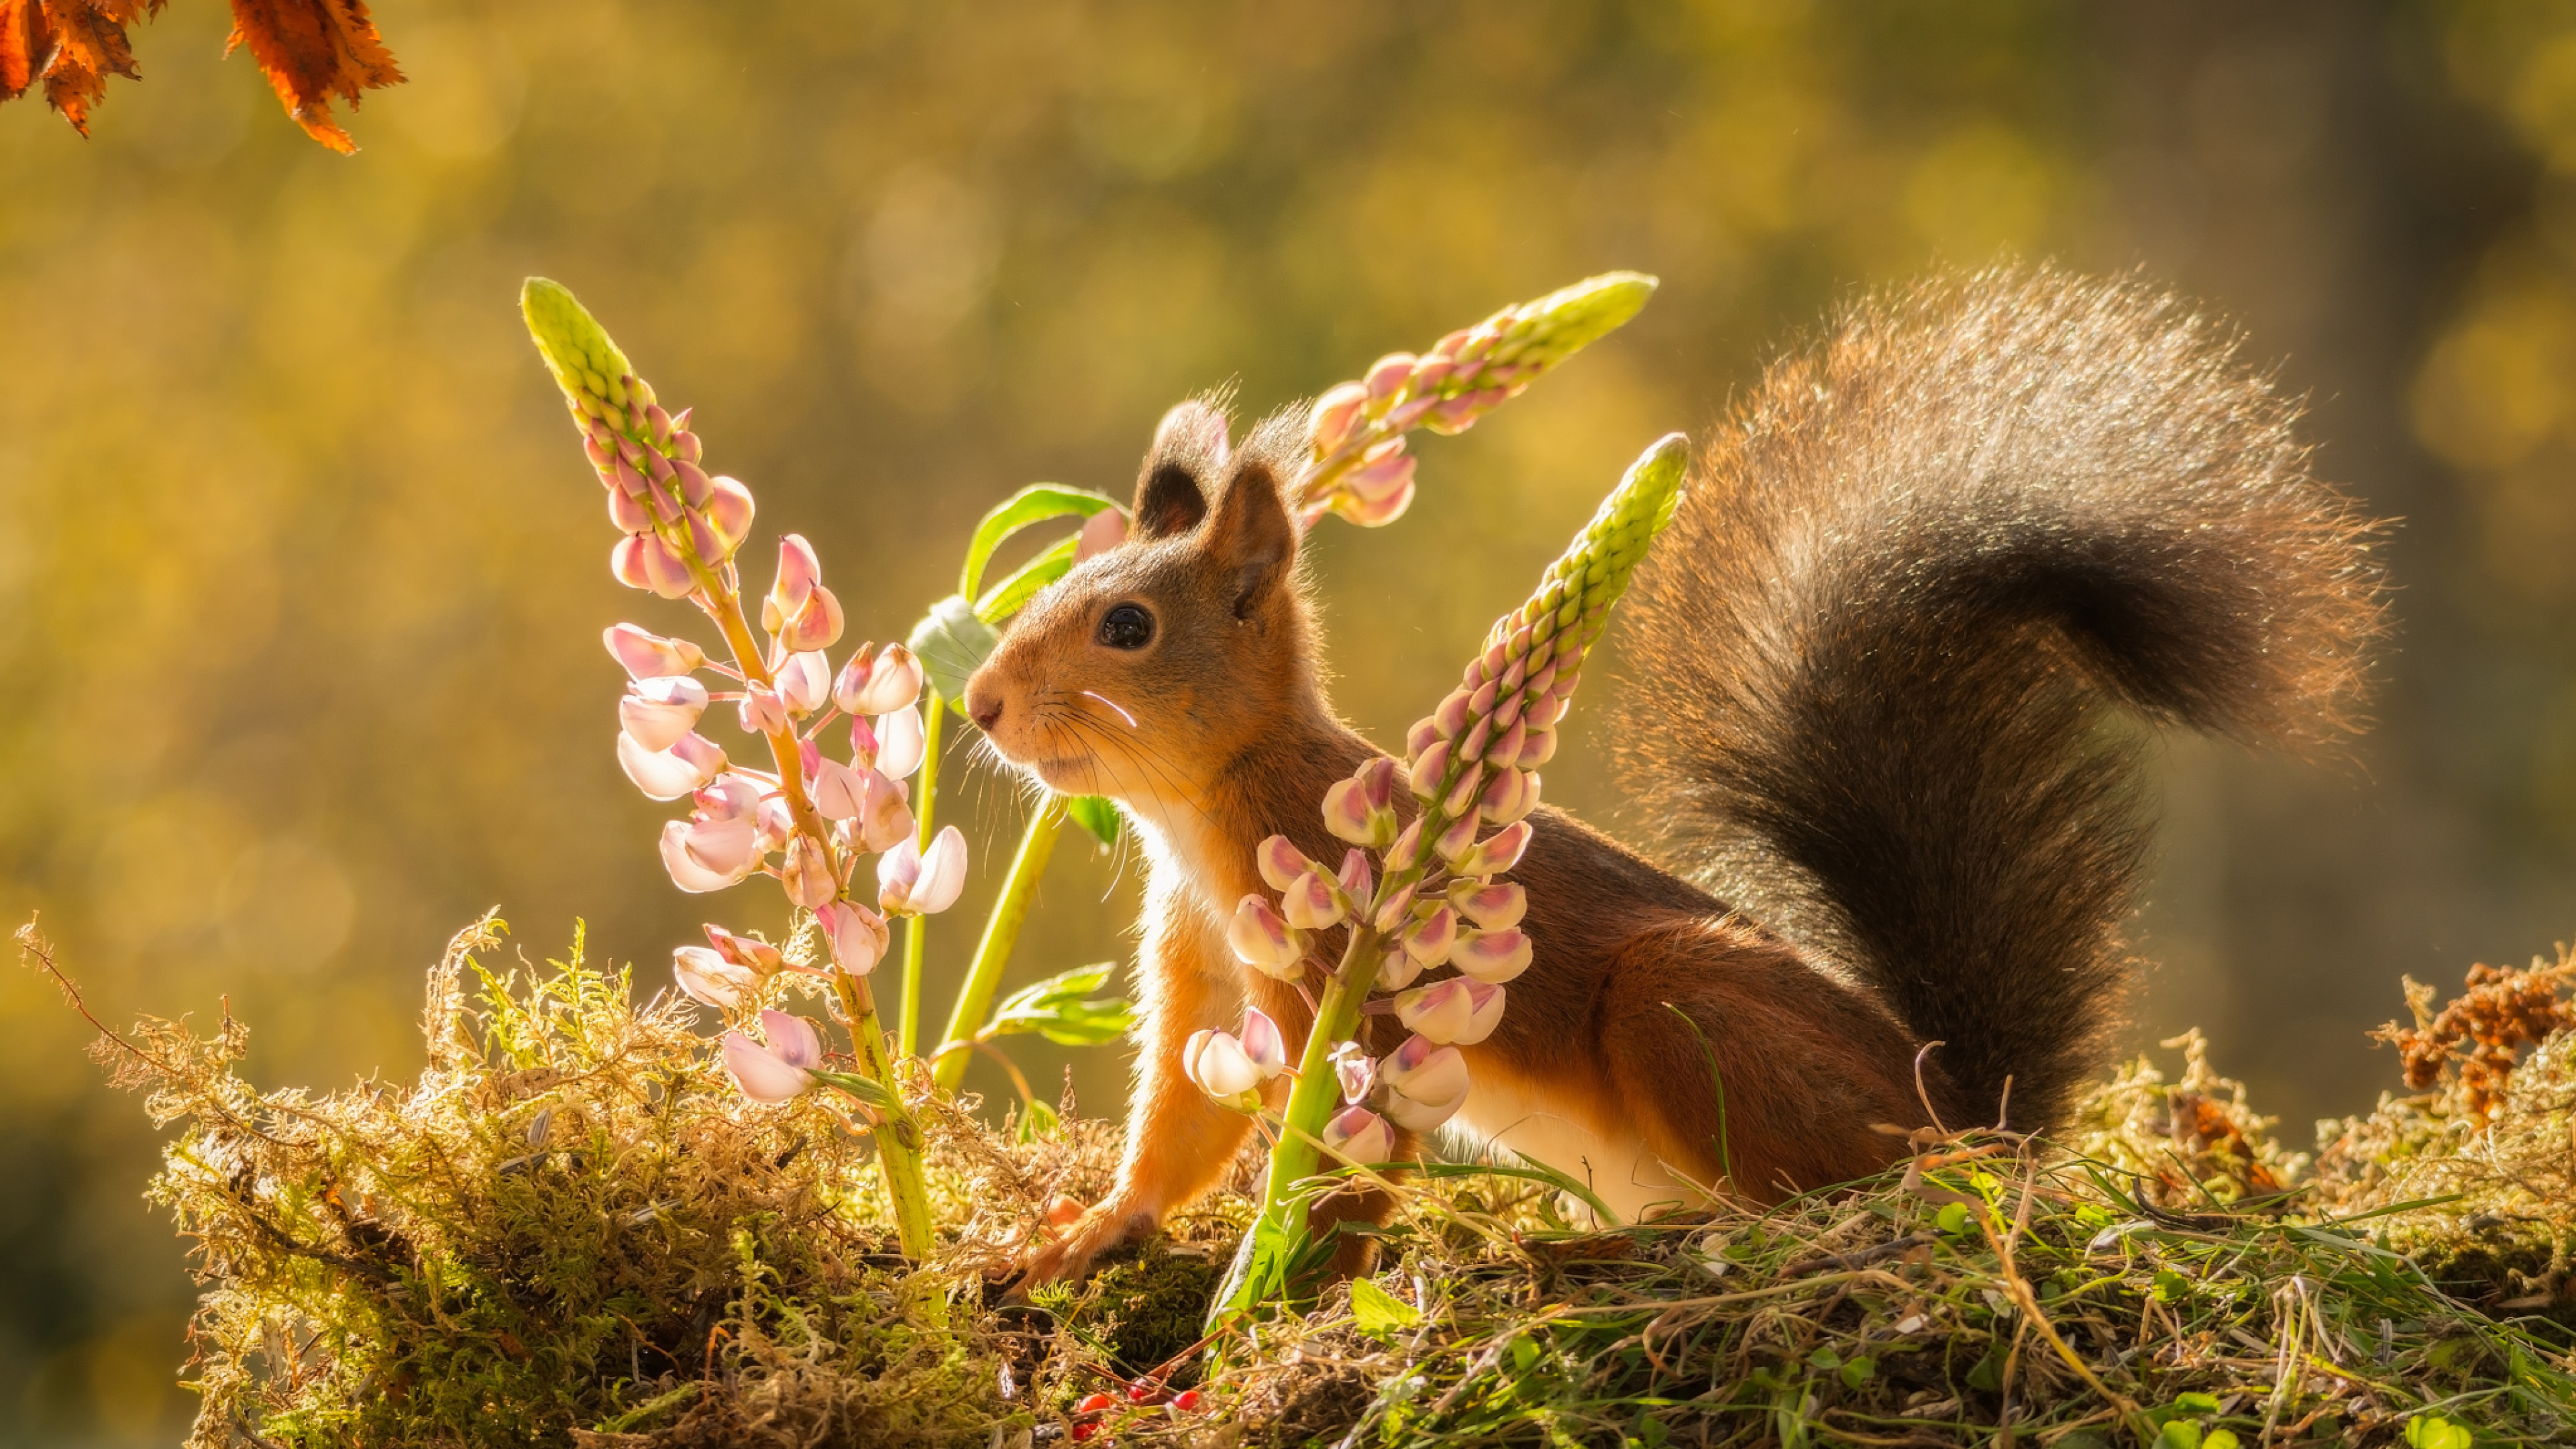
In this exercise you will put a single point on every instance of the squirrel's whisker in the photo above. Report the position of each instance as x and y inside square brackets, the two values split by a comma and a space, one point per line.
[1113, 704]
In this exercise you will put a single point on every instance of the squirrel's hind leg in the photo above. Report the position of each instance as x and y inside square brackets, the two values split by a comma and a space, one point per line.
[1778, 1077]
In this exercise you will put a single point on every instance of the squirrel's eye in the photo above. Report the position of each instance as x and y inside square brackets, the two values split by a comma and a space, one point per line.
[1126, 626]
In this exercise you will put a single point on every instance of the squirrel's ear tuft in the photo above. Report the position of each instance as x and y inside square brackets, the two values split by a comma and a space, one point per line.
[1252, 537]
[1189, 454]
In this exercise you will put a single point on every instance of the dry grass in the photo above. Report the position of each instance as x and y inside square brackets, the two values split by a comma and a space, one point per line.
[572, 1229]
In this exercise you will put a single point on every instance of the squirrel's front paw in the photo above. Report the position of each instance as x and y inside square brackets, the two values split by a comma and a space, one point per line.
[1072, 1251]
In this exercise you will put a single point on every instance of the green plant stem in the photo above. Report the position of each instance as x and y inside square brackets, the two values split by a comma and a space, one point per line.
[898, 1138]
[916, 929]
[1001, 933]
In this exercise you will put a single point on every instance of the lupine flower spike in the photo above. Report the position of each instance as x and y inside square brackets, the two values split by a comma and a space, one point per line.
[1434, 901]
[807, 818]
[1358, 467]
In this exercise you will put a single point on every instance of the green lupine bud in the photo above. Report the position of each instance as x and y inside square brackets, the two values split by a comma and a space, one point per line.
[586, 363]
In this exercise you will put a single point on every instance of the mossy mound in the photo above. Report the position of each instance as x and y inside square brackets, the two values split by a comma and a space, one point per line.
[571, 1229]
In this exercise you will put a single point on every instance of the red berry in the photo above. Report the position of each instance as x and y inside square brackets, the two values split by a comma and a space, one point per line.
[1187, 1401]
[1084, 1431]
[1139, 1392]
[1095, 1403]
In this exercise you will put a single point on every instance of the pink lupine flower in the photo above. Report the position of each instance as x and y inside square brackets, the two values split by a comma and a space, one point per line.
[1358, 1135]
[688, 765]
[1488, 904]
[1263, 939]
[1361, 809]
[710, 979]
[1280, 863]
[885, 817]
[1425, 1070]
[745, 951]
[857, 935]
[912, 881]
[1460, 1010]
[840, 791]
[899, 743]
[762, 712]
[1354, 1072]
[729, 796]
[807, 873]
[881, 685]
[1495, 854]
[1397, 969]
[815, 626]
[780, 1070]
[776, 823]
[660, 709]
[1101, 532]
[687, 846]
[804, 681]
[1335, 412]
[646, 655]
[1495, 956]
[798, 573]
[644, 561]
[1431, 939]
[1311, 904]
[1263, 1042]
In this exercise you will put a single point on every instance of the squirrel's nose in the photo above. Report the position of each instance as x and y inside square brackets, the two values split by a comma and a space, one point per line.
[985, 711]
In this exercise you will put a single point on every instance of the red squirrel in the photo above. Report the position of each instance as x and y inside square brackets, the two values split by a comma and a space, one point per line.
[1868, 674]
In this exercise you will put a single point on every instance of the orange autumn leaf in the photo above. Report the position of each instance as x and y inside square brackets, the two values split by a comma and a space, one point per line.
[312, 50]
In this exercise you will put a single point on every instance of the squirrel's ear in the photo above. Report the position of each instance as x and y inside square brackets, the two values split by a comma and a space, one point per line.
[1189, 453]
[1252, 536]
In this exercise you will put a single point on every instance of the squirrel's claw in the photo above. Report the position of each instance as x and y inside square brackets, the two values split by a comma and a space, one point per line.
[1103, 1229]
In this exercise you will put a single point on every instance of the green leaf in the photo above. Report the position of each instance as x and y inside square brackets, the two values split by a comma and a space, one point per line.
[952, 642]
[1859, 1371]
[2432, 1431]
[1952, 1219]
[2180, 1434]
[1378, 1312]
[1037, 1120]
[1095, 814]
[1006, 598]
[1062, 1009]
[866, 1089]
[2220, 1439]
[1034, 504]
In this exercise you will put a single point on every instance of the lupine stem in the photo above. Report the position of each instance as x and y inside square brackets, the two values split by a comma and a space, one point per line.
[1001, 933]
[916, 929]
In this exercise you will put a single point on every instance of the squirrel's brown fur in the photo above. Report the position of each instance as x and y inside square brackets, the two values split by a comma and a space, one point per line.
[1870, 661]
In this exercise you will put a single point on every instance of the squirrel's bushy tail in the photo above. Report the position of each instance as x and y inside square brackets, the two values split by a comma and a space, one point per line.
[1869, 662]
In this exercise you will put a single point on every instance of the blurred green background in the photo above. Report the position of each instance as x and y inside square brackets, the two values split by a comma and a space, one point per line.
[303, 574]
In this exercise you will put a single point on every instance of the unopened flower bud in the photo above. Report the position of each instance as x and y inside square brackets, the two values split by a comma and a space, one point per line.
[1463, 791]
[900, 744]
[667, 774]
[626, 515]
[1495, 854]
[658, 710]
[1263, 939]
[912, 881]
[696, 488]
[709, 979]
[857, 935]
[1458, 838]
[1393, 912]
[1537, 749]
[1386, 377]
[804, 680]
[880, 685]
[1424, 734]
[1373, 512]
[1509, 796]
[807, 874]
[1459, 1010]
[649, 656]
[885, 814]
[747, 952]
[1431, 939]
[1358, 1135]
[1396, 970]
[1406, 853]
[644, 561]
[1361, 809]
[1495, 956]
[1354, 1072]
[1430, 770]
[798, 572]
[1425, 1070]
[1281, 863]
[729, 512]
[1383, 479]
[1311, 903]
[1451, 717]
[1330, 423]
[1101, 532]
[840, 791]
[1491, 905]
[1355, 880]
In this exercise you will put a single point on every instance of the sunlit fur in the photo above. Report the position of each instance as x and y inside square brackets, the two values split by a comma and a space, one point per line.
[1874, 646]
